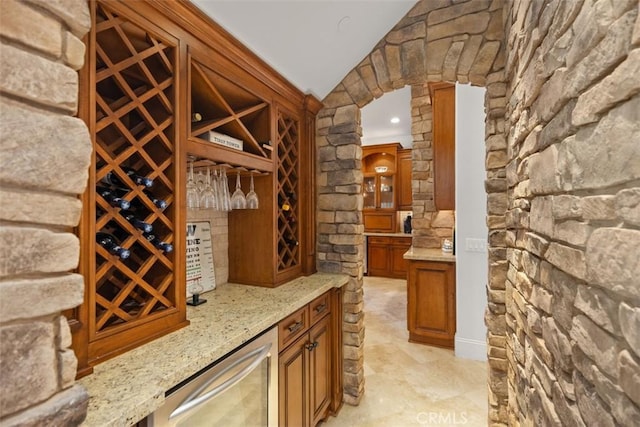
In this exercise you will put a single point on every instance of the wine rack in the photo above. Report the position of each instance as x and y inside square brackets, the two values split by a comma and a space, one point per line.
[288, 139]
[133, 298]
[223, 107]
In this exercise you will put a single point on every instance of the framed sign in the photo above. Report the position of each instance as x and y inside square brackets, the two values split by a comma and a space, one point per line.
[200, 272]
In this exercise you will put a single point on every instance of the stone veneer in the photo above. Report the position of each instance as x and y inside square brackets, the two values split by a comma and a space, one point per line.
[437, 40]
[563, 197]
[44, 158]
[573, 213]
[430, 226]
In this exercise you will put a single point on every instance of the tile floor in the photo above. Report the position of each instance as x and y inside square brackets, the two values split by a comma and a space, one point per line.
[410, 384]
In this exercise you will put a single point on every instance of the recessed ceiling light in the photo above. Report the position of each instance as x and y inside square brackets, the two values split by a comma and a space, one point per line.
[395, 120]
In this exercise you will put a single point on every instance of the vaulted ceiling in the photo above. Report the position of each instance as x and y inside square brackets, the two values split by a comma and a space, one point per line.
[315, 43]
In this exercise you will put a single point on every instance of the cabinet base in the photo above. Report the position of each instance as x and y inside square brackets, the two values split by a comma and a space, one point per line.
[436, 342]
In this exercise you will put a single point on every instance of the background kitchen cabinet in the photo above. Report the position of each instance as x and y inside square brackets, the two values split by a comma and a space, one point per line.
[405, 166]
[379, 167]
[431, 303]
[385, 256]
[443, 98]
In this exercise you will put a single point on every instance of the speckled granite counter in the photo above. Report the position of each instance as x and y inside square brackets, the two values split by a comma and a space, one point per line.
[426, 254]
[129, 387]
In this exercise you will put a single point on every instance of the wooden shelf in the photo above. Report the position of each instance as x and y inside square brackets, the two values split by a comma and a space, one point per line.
[221, 154]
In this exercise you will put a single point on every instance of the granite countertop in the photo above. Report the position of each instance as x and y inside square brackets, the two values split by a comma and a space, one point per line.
[428, 254]
[127, 388]
[389, 234]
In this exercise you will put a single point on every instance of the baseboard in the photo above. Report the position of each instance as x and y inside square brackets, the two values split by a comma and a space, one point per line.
[471, 349]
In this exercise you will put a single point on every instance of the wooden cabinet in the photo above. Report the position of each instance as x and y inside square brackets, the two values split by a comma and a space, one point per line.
[150, 67]
[310, 347]
[443, 97]
[431, 303]
[385, 256]
[379, 165]
[405, 167]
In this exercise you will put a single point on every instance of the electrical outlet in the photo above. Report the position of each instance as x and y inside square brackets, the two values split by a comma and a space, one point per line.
[475, 245]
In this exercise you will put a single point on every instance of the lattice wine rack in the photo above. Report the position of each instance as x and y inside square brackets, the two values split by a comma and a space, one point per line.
[288, 189]
[133, 279]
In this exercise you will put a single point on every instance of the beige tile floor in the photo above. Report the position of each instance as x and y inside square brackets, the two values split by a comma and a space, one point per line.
[410, 384]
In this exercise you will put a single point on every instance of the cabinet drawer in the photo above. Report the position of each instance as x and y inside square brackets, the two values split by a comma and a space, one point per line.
[320, 307]
[379, 239]
[292, 327]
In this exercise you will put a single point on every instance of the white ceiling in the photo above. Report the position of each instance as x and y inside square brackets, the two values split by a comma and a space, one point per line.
[315, 43]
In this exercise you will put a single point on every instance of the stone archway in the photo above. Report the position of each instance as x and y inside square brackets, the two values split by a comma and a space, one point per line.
[435, 41]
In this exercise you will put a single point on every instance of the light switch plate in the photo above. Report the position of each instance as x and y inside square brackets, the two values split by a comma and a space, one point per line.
[475, 245]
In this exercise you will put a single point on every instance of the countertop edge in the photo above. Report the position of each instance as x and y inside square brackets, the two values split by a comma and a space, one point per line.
[428, 254]
[113, 402]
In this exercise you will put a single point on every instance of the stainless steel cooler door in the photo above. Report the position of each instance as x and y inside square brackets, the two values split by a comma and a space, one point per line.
[241, 390]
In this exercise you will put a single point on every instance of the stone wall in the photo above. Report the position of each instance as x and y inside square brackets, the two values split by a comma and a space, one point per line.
[437, 40]
[573, 172]
[430, 226]
[44, 158]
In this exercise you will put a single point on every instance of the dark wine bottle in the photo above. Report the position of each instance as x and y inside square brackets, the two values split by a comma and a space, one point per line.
[155, 241]
[293, 197]
[284, 204]
[112, 179]
[144, 226]
[196, 117]
[113, 198]
[110, 243]
[290, 240]
[160, 203]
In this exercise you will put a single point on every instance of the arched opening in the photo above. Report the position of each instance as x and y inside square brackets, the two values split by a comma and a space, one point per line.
[448, 44]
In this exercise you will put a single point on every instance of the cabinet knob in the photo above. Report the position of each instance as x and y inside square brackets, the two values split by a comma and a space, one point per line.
[312, 345]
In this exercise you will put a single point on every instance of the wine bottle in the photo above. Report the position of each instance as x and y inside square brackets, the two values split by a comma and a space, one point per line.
[113, 198]
[155, 241]
[112, 179]
[196, 117]
[293, 197]
[144, 226]
[284, 204]
[110, 243]
[290, 240]
[160, 203]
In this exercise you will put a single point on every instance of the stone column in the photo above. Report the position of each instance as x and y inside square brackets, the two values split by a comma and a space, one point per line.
[44, 157]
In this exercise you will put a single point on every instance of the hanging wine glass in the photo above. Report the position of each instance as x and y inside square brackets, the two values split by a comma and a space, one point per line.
[193, 199]
[208, 196]
[252, 196]
[238, 200]
[200, 184]
[224, 186]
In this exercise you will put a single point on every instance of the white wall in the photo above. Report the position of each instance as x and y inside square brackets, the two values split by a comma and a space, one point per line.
[471, 265]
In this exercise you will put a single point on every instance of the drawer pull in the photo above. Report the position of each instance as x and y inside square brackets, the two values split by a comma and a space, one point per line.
[320, 308]
[295, 327]
[311, 346]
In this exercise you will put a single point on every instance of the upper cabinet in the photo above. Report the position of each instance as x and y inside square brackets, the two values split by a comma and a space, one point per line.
[380, 186]
[405, 167]
[162, 84]
[443, 97]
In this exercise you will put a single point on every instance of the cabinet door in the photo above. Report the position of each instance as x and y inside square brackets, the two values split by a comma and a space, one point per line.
[405, 165]
[378, 257]
[431, 303]
[398, 264]
[293, 370]
[443, 97]
[320, 369]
